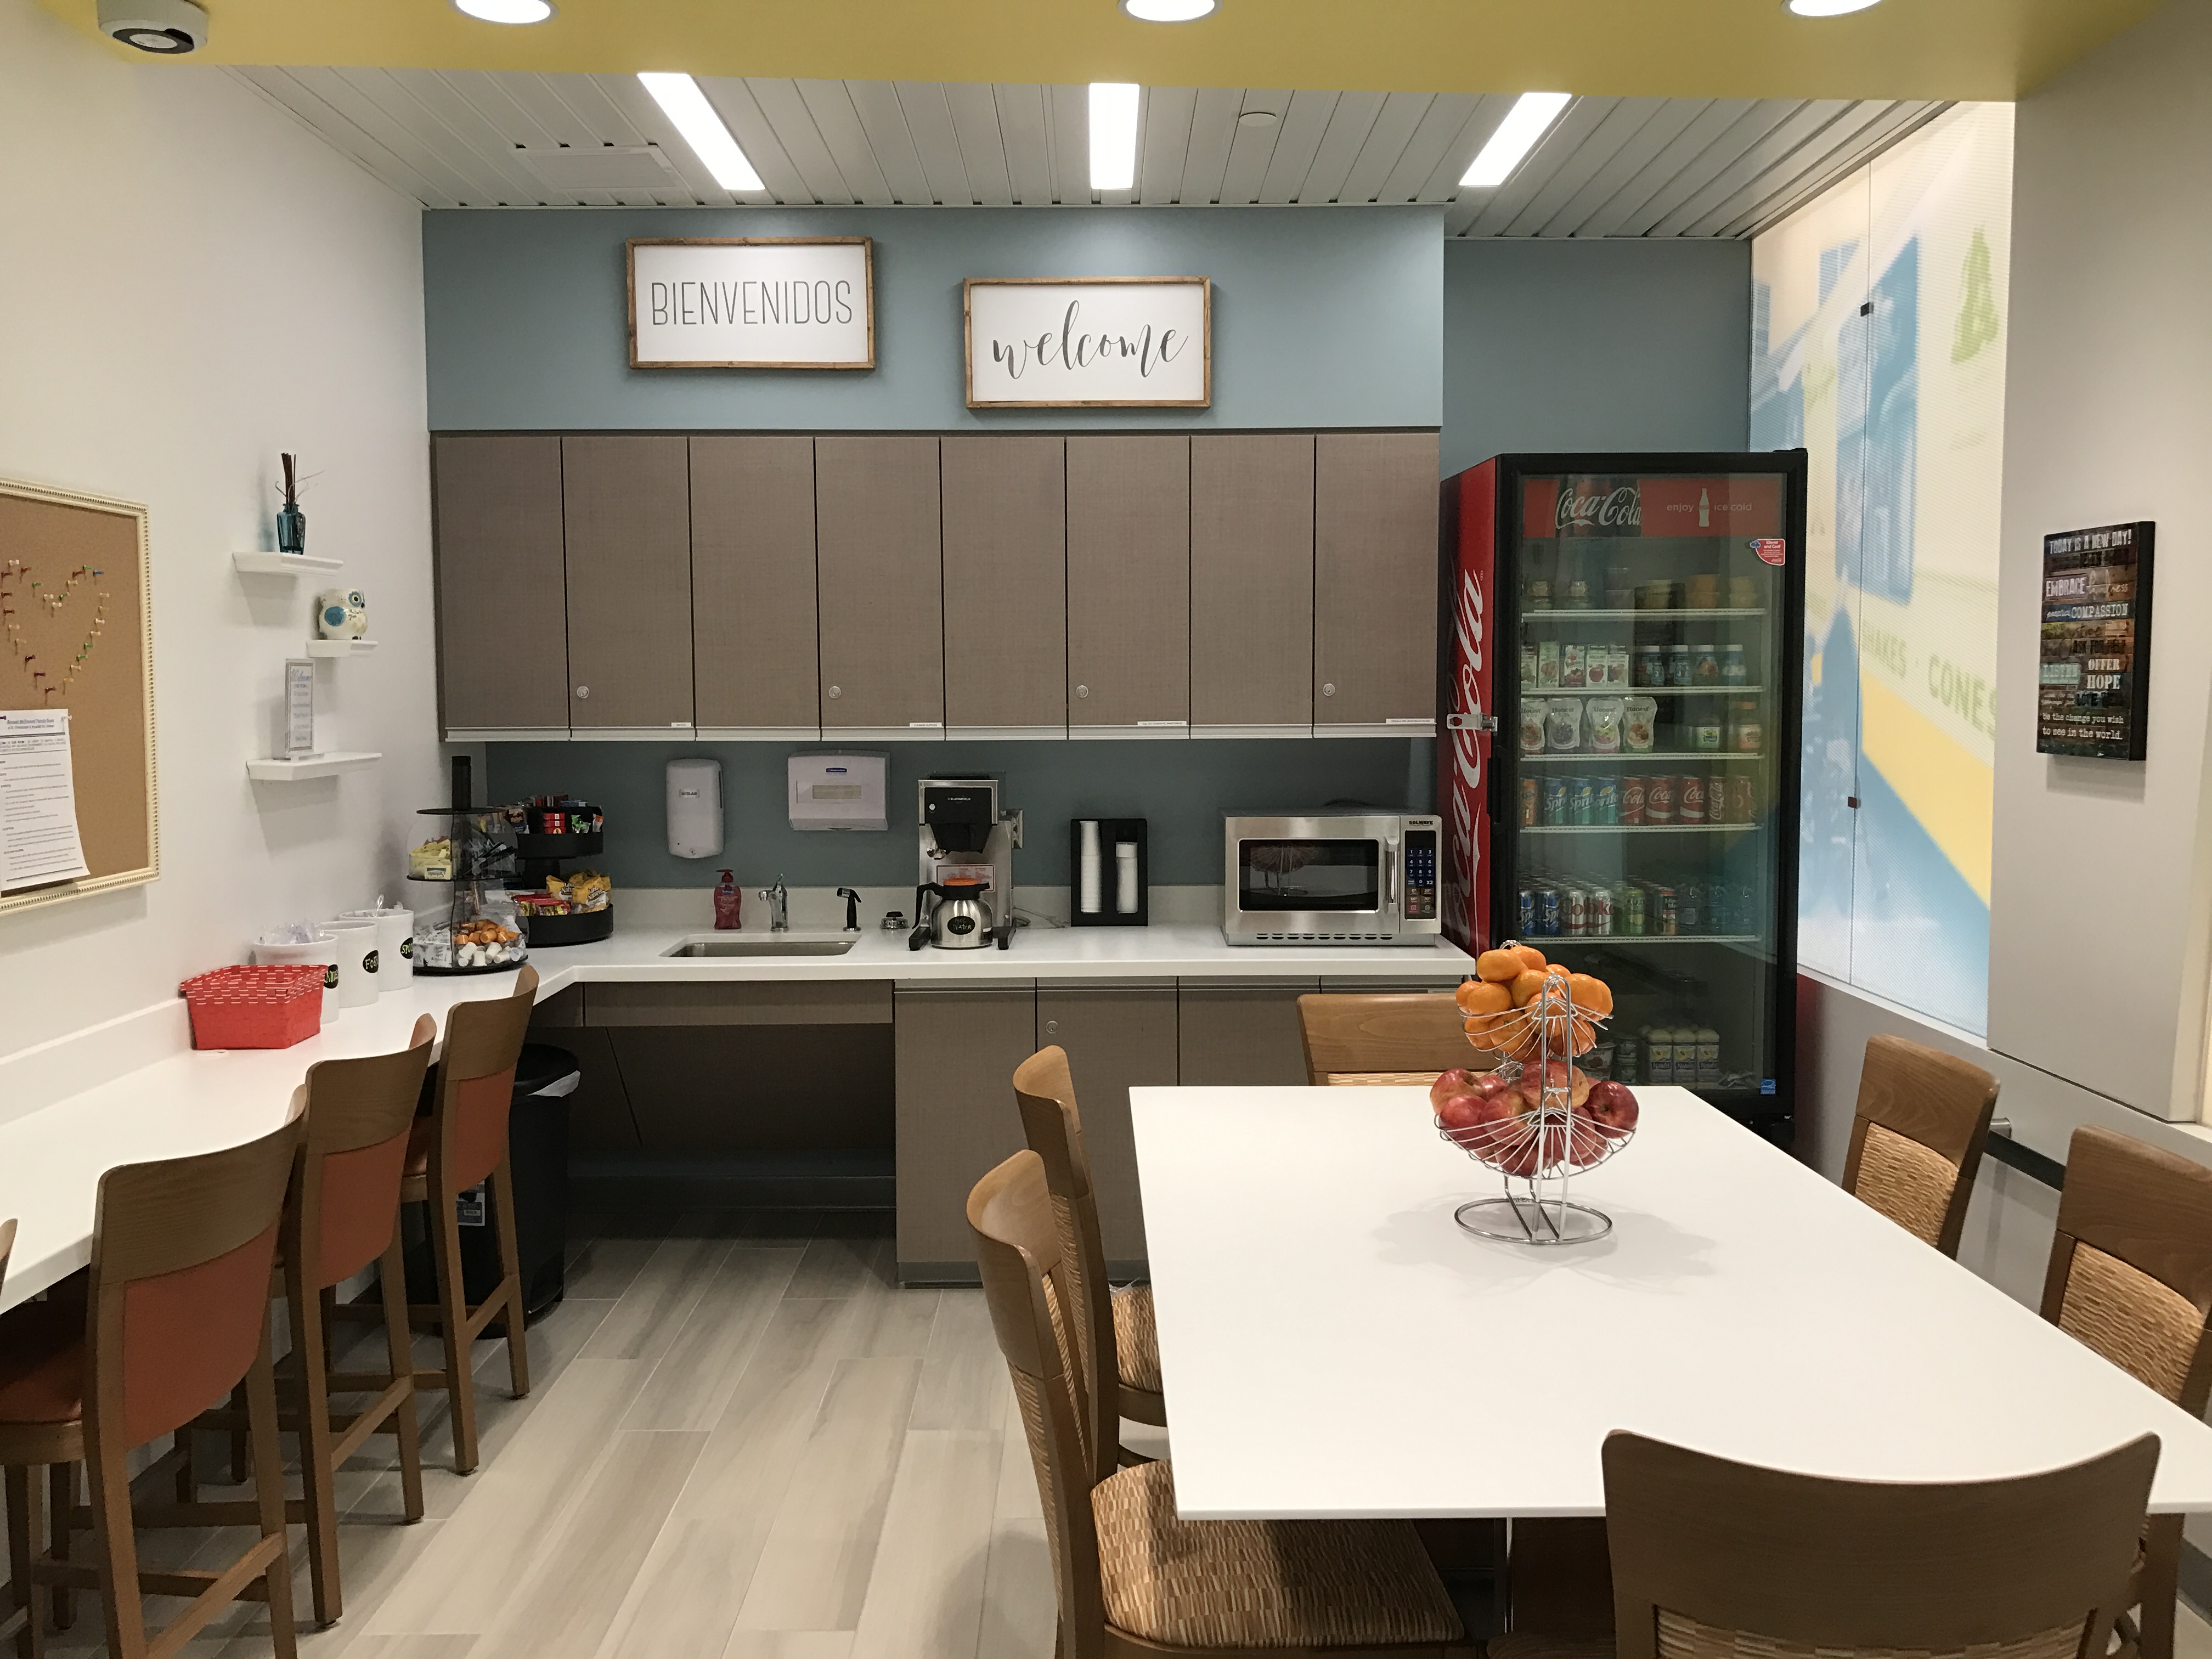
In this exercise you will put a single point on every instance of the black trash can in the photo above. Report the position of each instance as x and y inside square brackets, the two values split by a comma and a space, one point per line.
[538, 1152]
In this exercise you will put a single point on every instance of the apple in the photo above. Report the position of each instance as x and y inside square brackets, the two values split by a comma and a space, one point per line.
[1457, 1081]
[1557, 1079]
[1612, 1106]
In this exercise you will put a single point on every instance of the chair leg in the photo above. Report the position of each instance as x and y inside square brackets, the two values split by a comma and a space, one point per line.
[453, 1309]
[61, 1496]
[109, 1477]
[317, 1475]
[510, 1269]
[391, 1283]
[238, 1438]
[269, 1492]
[24, 1593]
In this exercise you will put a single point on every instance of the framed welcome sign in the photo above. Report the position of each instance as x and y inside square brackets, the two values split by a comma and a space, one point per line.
[751, 302]
[1090, 342]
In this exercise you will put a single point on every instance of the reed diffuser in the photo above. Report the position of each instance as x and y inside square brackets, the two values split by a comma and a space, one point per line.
[291, 523]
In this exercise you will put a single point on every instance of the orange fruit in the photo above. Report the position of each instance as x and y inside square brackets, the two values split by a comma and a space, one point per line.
[1478, 996]
[1499, 966]
[1583, 1037]
[1530, 955]
[1592, 995]
[1527, 985]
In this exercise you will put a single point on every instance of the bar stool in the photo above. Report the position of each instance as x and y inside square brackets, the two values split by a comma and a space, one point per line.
[344, 1215]
[173, 1311]
[462, 1144]
[7, 1246]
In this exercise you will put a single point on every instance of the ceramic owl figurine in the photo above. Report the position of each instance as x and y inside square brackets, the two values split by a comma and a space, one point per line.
[341, 614]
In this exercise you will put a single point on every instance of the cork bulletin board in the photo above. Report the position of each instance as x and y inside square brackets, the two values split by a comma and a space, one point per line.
[76, 632]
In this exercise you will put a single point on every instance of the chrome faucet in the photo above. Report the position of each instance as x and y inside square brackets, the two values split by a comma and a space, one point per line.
[778, 899]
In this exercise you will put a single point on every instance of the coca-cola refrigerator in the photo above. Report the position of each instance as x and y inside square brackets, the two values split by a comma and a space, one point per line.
[1622, 655]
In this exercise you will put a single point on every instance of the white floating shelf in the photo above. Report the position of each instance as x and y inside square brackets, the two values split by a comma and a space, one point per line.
[340, 648]
[284, 564]
[320, 766]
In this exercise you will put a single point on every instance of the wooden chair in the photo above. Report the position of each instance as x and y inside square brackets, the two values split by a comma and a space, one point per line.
[7, 1246]
[462, 1144]
[1714, 1559]
[1132, 1577]
[184, 1246]
[344, 1215]
[1923, 1117]
[2130, 1275]
[1117, 1345]
[1401, 1038]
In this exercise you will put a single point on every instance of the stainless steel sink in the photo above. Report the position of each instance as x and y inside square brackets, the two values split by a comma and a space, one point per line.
[760, 945]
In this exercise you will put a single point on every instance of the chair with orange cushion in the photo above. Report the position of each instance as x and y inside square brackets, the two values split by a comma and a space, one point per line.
[173, 1311]
[344, 1216]
[462, 1144]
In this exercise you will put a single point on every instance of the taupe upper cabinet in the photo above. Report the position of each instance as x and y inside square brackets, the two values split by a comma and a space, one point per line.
[752, 588]
[1251, 584]
[628, 505]
[1128, 586]
[1005, 586]
[502, 615]
[882, 575]
[1375, 583]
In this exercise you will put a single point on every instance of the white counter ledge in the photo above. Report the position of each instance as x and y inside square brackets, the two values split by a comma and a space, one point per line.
[52, 1158]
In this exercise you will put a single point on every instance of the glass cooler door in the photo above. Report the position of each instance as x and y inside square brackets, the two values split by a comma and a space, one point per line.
[1648, 746]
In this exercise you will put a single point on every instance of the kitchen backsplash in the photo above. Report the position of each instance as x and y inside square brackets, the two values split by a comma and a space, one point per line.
[1181, 788]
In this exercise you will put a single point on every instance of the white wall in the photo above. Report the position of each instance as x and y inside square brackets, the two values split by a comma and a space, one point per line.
[193, 282]
[2107, 420]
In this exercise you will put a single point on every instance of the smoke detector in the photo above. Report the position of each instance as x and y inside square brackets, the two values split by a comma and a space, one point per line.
[168, 28]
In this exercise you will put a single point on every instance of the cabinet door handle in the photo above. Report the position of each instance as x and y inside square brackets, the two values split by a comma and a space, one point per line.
[1082, 690]
[1052, 1028]
[836, 691]
[583, 691]
[1329, 688]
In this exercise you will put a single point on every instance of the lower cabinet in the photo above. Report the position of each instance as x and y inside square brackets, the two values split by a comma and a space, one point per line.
[956, 1055]
[1116, 1038]
[1249, 1033]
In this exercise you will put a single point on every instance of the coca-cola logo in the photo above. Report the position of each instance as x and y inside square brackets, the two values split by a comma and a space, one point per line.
[1622, 508]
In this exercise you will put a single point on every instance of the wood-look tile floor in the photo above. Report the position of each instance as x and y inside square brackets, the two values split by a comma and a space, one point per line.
[743, 1442]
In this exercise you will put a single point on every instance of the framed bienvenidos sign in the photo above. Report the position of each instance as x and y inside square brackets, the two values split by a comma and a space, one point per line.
[2093, 680]
[752, 302]
[1090, 342]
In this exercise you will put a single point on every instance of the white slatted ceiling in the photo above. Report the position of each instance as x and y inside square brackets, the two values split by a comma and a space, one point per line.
[1610, 166]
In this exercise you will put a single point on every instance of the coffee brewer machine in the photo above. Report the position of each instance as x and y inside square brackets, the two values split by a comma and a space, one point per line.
[964, 899]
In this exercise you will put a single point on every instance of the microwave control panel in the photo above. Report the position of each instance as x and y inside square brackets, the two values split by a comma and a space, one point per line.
[1420, 875]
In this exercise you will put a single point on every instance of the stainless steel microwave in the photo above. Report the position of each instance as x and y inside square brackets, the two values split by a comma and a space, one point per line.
[1331, 879]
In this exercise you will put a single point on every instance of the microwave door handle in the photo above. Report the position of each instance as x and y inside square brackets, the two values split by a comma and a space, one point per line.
[1390, 875]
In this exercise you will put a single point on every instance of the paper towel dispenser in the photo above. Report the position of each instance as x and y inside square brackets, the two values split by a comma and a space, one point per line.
[838, 791]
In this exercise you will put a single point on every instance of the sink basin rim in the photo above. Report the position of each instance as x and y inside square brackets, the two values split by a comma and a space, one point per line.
[707, 946]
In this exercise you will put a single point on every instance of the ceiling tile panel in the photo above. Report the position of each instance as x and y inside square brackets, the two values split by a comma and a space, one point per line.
[1161, 150]
[1027, 141]
[829, 106]
[1349, 123]
[1386, 143]
[983, 150]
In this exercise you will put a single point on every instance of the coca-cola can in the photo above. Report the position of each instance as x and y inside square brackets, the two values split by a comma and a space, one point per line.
[1690, 798]
[1741, 807]
[1659, 799]
[1716, 799]
[1575, 903]
[1601, 911]
[1631, 800]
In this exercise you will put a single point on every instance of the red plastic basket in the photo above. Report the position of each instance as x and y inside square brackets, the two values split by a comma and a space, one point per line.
[272, 1006]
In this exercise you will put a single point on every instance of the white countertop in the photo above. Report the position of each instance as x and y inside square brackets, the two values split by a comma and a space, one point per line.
[1314, 1292]
[52, 1159]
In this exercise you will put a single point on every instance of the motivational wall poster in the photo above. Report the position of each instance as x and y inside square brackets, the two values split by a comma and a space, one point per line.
[1090, 342]
[2092, 692]
[752, 302]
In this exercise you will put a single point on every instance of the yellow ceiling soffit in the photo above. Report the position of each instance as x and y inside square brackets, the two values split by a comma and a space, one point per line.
[1974, 49]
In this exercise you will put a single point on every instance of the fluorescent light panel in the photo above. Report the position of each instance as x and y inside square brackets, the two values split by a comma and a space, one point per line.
[1828, 8]
[1168, 11]
[1113, 135]
[681, 100]
[1529, 119]
[506, 11]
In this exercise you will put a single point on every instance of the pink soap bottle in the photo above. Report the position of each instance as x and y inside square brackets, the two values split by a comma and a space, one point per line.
[729, 903]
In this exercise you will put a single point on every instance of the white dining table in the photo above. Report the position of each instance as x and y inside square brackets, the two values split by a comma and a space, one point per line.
[1332, 1344]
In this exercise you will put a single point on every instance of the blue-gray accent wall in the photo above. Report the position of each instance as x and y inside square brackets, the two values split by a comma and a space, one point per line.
[1321, 317]
[1621, 344]
[1181, 787]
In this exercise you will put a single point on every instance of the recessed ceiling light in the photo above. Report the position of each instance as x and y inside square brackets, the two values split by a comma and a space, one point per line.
[1168, 11]
[1258, 117]
[683, 103]
[1113, 135]
[1828, 8]
[1516, 135]
[506, 11]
